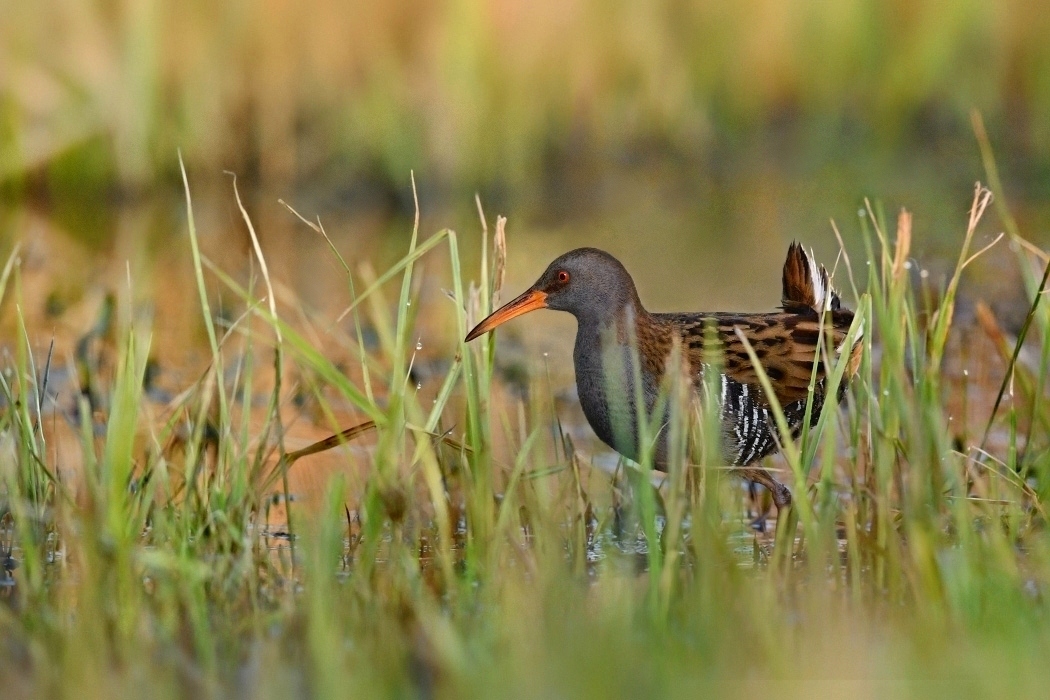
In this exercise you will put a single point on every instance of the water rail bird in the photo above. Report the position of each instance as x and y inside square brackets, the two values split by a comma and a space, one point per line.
[613, 328]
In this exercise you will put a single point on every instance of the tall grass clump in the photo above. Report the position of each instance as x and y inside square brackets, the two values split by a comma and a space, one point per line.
[476, 551]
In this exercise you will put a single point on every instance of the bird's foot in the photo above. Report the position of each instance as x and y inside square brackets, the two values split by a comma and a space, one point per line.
[781, 496]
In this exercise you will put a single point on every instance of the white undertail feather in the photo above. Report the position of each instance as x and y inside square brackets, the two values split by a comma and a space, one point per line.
[824, 295]
[822, 291]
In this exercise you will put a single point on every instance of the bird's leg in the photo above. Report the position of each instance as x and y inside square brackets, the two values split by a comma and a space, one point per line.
[781, 494]
[786, 518]
[761, 511]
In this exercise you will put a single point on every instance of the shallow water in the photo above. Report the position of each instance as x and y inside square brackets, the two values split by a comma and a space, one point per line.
[709, 240]
[713, 240]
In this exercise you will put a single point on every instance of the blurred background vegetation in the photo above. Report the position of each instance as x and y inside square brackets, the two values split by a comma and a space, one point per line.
[98, 95]
[713, 131]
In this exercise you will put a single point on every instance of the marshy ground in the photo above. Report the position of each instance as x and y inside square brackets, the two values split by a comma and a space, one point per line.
[163, 524]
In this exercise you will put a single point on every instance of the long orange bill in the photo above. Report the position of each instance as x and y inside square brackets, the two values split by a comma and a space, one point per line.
[529, 301]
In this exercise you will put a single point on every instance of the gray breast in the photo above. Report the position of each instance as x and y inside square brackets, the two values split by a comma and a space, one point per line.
[605, 382]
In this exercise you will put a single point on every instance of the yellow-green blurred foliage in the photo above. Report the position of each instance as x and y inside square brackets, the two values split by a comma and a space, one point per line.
[477, 91]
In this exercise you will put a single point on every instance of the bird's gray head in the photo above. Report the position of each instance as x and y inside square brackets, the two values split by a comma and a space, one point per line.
[588, 283]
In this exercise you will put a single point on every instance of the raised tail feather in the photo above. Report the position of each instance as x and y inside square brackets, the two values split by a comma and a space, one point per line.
[806, 283]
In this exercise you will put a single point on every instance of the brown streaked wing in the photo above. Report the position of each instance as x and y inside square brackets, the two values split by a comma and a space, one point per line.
[785, 343]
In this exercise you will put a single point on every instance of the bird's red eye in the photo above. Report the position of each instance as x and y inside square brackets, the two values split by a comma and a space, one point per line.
[563, 276]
